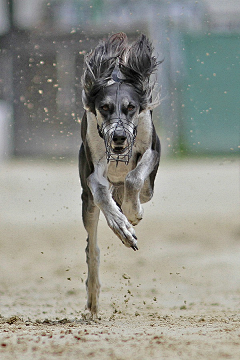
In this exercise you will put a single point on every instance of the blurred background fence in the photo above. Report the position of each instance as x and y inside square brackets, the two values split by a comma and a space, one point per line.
[42, 47]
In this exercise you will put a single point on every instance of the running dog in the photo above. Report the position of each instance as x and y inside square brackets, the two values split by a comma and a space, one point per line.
[120, 150]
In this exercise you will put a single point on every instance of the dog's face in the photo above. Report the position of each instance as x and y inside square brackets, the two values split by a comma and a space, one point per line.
[116, 88]
[117, 109]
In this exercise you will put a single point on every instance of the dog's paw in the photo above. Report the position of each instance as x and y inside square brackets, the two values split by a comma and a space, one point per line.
[93, 290]
[134, 214]
[123, 229]
[131, 242]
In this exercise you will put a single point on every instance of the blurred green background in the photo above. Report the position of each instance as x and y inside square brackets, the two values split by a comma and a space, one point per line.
[42, 47]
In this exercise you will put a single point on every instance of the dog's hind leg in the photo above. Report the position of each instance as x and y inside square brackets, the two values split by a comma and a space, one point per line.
[90, 216]
[90, 213]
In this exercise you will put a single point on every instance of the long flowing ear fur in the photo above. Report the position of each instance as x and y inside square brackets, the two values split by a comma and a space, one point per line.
[136, 62]
[138, 67]
[100, 64]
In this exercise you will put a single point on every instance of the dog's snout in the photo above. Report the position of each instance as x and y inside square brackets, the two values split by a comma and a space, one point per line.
[119, 137]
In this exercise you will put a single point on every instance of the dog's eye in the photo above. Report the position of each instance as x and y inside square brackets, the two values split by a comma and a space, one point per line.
[130, 107]
[105, 107]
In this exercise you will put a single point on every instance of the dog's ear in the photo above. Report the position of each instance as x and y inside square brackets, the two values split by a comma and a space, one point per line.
[99, 65]
[139, 65]
[140, 58]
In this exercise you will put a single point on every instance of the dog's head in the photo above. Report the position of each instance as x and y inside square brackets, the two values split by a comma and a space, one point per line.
[117, 88]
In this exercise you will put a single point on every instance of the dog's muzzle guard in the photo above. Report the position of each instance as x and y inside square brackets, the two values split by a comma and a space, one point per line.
[118, 153]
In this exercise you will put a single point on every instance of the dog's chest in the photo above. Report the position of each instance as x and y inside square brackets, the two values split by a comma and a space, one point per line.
[117, 174]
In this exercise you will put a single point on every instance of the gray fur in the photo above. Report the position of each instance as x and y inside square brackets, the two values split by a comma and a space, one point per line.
[116, 90]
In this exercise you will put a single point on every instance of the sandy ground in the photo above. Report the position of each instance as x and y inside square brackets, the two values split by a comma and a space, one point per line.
[178, 297]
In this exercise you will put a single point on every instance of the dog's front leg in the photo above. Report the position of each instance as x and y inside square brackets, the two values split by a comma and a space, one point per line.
[137, 187]
[116, 220]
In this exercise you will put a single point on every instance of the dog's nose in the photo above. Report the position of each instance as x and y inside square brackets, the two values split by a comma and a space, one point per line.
[119, 137]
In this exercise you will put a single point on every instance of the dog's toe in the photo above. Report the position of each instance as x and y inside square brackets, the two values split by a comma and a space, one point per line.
[135, 221]
[130, 242]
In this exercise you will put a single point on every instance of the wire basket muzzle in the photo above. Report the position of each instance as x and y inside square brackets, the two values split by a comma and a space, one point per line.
[107, 131]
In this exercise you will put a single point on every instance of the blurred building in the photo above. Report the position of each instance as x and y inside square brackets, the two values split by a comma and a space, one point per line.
[42, 46]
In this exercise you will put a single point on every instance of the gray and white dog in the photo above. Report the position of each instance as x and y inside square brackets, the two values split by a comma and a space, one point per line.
[120, 151]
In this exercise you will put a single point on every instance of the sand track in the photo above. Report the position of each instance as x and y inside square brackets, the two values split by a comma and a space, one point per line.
[178, 297]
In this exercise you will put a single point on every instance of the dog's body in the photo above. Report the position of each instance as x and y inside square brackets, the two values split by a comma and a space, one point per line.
[120, 150]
